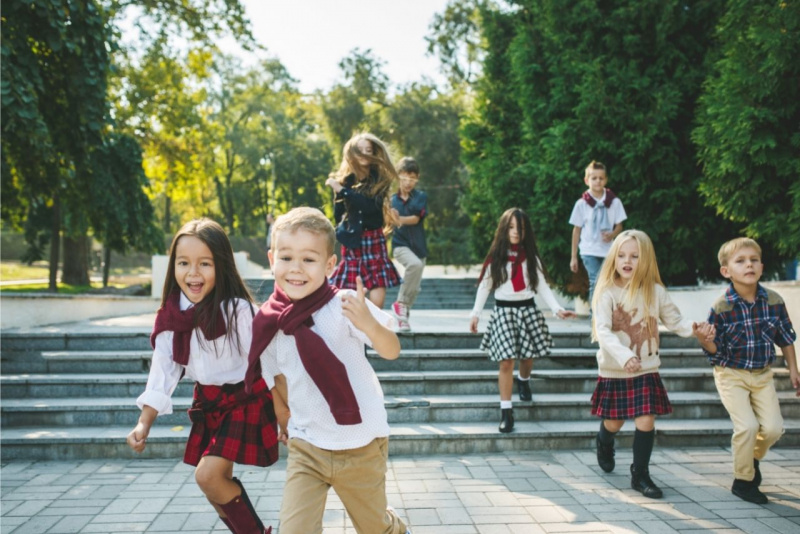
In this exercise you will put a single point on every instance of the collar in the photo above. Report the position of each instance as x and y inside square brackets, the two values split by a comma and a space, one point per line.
[732, 296]
[185, 303]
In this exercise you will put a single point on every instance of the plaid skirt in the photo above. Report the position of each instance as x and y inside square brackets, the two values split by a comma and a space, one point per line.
[370, 262]
[228, 422]
[628, 398]
[516, 332]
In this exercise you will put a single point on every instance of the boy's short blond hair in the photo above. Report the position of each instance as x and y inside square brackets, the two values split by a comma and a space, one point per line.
[308, 219]
[733, 246]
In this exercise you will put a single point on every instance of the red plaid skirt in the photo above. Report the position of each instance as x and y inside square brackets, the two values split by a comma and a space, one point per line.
[228, 422]
[628, 398]
[370, 262]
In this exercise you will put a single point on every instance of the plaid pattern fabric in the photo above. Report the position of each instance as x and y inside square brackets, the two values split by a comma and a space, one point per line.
[748, 331]
[228, 422]
[370, 262]
[628, 398]
[516, 333]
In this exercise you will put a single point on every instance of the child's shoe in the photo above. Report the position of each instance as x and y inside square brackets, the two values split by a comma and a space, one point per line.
[507, 420]
[748, 491]
[524, 388]
[400, 311]
[641, 482]
[605, 455]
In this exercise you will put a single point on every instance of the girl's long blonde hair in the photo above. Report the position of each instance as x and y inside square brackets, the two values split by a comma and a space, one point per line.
[381, 175]
[643, 283]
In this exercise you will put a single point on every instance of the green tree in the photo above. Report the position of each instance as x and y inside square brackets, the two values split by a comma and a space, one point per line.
[456, 40]
[748, 124]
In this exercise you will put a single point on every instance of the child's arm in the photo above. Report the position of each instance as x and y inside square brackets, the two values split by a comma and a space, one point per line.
[609, 236]
[608, 340]
[480, 300]
[405, 220]
[384, 341]
[137, 438]
[543, 289]
[576, 238]
[790, 356]
[280, 400]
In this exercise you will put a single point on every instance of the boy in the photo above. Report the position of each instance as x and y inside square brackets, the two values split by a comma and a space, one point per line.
[596, 219]
[409, 208]
[749, 320]
[312, 339]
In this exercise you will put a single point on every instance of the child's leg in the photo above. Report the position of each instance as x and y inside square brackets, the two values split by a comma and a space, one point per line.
[766, 407]
[360, 482]
[412, 277]
[308, 477]
[592, 265]
[642, 449]
[377, 295]
[605, 443]
[524, 379]
[505, 379]
[214, 476]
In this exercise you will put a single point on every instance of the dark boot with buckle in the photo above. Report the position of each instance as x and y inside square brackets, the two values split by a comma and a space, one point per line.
[605, 455]
[507, 420]
[242, 517]
[748, 491]
[524, 388]
[641, 482]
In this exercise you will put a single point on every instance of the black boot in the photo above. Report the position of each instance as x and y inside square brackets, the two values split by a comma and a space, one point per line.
[641, 482]
[524, 388]
[757, 477]
[748, 491]
[507, 420]
[605, 455]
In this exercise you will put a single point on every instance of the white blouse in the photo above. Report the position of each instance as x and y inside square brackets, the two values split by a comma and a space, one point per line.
[506, 290]
[216, 362]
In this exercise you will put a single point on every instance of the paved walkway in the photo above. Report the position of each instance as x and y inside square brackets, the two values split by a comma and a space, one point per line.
[537, 492]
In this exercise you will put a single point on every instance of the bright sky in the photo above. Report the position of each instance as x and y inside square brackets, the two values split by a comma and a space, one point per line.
[310, 37]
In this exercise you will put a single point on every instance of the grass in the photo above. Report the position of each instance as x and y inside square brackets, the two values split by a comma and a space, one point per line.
[13, 270]
[63, 289]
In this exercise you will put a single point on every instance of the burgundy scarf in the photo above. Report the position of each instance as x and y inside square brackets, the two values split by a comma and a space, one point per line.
[294, 319]
[170, 318]
[516, 255]
[610, 196]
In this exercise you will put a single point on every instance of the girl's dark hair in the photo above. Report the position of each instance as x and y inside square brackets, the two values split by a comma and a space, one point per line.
[228, 284]
[498, 252]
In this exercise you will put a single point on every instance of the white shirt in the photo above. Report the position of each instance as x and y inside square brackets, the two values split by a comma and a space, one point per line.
[591, 244]
[311, 418]
[216, 362]
[506, 290]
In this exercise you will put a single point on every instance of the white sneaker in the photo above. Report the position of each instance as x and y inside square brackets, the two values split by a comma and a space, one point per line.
[403, 325]
[400, 311]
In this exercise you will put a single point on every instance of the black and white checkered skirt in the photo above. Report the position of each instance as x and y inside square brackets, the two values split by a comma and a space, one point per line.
[516, 330]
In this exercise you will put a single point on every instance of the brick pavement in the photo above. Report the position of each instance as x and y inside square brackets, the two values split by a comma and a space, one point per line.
[515, 493]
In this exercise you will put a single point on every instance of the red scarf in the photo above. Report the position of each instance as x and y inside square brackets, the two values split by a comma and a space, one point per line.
[516, 255]
[294, 319]
[610, 196]
[181, 323]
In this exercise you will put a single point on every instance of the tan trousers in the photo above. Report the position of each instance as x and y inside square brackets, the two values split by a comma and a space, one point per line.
[358, 476]
[412, 276]
[752, 403]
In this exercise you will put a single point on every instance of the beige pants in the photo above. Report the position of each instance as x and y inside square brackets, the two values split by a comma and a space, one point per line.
[412, 276]
[358, 476]
[752, 403]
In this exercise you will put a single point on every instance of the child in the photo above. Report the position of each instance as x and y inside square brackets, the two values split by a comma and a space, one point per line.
[203, 330]
[628, 301]
[409, 208]
[312, 340]
[596, 219]
[517, 329]
[749, 321]
[361, 209]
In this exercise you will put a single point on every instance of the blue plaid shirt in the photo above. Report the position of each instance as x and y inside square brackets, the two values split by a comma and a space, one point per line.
[747, 332]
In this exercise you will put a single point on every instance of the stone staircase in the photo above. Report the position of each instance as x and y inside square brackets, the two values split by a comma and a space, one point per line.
[71, 396]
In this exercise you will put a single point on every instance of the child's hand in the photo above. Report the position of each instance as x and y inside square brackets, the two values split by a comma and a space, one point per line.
[573, 265]
[634, 365]
[704, 332]
[396, 217]
[794, 376]
[283, 427]
[333, 183]
[137, 439]
[473, 325]
[608, 237]
[355, 308]
[566, 314]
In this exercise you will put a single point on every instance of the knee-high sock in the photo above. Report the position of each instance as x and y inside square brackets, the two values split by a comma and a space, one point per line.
[642, 447]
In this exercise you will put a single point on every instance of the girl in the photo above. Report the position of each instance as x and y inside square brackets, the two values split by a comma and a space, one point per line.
[628, 301]
[362, 212]
[517, 329]
[203, 330]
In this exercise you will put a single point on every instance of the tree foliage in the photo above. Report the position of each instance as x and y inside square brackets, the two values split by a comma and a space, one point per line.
[748, 133]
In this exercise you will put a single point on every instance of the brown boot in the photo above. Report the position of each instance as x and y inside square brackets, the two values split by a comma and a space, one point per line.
[242, 517]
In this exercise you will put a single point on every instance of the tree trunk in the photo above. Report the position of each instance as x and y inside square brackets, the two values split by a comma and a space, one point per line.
[76, 260]
[55, 246]
[106, 265]
[167, 215]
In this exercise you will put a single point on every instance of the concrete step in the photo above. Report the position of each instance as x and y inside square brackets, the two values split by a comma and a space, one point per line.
[98, 411]
[63, 444]
[480, 382]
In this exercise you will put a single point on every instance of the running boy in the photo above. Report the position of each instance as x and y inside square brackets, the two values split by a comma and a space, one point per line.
[749, 321]
[596, 219]
[409, 208]
[312, 339]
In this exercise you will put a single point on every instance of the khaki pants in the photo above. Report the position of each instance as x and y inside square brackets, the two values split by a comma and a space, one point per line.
[358, 476]
[412, 276]
[752, 403]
